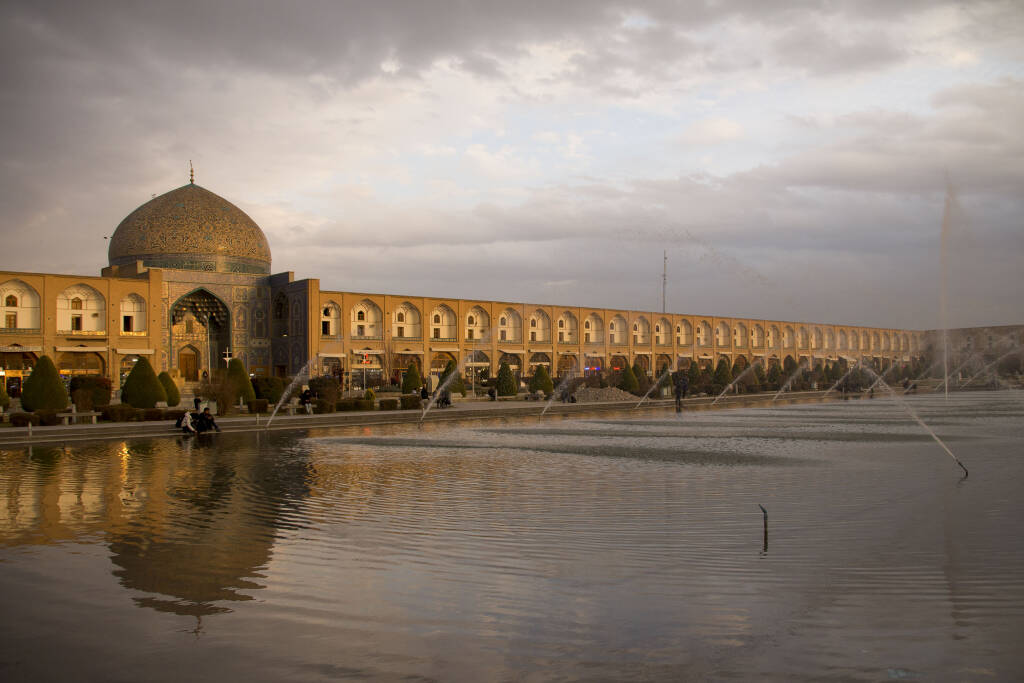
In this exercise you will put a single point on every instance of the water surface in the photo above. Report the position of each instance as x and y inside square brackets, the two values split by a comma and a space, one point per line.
[626, 546]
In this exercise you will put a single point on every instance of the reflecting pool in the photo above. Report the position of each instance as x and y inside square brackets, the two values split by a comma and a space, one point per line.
[611, 547]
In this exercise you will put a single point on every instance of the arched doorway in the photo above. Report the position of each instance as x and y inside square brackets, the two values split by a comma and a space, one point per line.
[188, 364]
[200, 323]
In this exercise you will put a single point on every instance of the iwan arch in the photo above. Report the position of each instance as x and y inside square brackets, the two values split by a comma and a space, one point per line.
[189, 283]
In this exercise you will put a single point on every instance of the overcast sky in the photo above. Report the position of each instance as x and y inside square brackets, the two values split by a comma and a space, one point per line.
[790, 157]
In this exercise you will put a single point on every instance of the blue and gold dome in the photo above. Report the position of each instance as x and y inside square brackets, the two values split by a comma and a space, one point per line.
[191, 228]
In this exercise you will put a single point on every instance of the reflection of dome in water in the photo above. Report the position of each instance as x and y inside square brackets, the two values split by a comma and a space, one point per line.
[191, 228]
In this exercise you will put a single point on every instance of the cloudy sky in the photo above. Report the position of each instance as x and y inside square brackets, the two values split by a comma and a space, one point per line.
[792, 158]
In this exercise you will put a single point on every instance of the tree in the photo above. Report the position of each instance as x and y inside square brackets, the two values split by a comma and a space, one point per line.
[170, 388]
[541, 380]
[412, 381]
[5, 400]
[759, 376]
[44, 390]
[774, 376]
[642, 380]
[693, 376]
[628, 381]
[141, 388]
[88, 391]
[723, 375]
[506, 381]
[789, 366]
[269, 388]
[240, 379]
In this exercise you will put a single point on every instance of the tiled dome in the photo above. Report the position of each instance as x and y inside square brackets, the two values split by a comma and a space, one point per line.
[191, 228]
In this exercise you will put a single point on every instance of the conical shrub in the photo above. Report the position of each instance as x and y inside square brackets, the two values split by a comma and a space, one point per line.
[628, 381]
[412, 381]
[240, 379]
[170, 388]
[506, 381]
[44, 390]
[541, 380]
[141, 388]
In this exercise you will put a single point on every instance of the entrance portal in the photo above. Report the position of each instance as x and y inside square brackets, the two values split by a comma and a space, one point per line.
[188, 364]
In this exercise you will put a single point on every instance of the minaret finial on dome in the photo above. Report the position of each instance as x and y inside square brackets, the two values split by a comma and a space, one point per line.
[191, 173]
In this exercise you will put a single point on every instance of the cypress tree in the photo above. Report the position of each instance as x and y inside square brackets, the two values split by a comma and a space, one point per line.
[759, 376]
[240, 379]
[628, 381]
[774, 376]
[506, 382]
[693, 377]
[44, 390]
[723, 375]
[141, 388]
[541, 380]
[170, 388]
[5, 400]
[412, 381]
[643, 382]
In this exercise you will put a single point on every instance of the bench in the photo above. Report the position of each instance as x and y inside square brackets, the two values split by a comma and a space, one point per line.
[69, 418]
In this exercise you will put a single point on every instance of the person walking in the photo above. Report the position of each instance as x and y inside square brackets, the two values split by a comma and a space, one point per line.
[196, 403]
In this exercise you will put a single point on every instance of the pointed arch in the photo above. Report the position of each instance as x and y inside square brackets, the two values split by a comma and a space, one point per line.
[20, 305]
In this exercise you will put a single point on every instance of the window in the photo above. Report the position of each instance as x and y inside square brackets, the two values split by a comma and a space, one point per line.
[586, 337]
[678, 329]
[636, 327]
[503, 321]
[11, 300]
[126, 323]
[437, 333]
[561, 336]
[437, 319]
[657, 328]
[503, 335]
[401, 317]
[561, 323]
[76, 304]
[361, 329]
[634, 339]
[469, 334]
[11, 320]
[470, 320]
[533, 336]
[325, 327]
[361, 315]
[327, 313]
[533, 322]
[611, 326]
[586, 325]
[76, 323]
[401, 330]
[190, 327]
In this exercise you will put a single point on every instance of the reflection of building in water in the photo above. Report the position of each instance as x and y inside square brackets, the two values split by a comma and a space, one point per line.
[192, 529]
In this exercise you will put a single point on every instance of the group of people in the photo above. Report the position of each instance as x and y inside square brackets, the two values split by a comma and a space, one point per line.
[442, 398]
[198, 422]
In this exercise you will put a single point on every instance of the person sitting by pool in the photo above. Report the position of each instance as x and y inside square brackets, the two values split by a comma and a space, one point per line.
[206, 422]
[186, 423]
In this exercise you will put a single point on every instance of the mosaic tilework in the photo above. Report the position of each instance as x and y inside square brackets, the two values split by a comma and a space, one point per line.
[193, 229]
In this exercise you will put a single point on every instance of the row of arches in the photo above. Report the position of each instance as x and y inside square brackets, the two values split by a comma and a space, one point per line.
[79, 309]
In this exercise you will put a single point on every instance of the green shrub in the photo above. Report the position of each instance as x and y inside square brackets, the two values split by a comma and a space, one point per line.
[411, 402]
[239, 379]
[628, 381]
[369, 395]
[5, 400]
[153, 414]
[325, 388]
[269, 388]
[170, 388]
[643, 382]
[412, 380]
[321, 406]
[142, 389]
[88, 391]
[222, 389]
[364, 404]
[24, 419]
[48, 418]
[174, 414]
[346, 404]
[43, 389]
[506, 381]
[723, 375]
[120, 412]
[259, 405]
[389, 404]
[774, 378]
[541, 381]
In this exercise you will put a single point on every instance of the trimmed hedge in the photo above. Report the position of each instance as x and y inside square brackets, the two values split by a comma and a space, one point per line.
[240, 379]
[170, 388]
[322, 406]
[269, 388]
[24, 419]
[48, 418]
[142, 389]
[121, 412]
[411, 402]
[346, 404]
[389, 403]
[153, 414]
[174, 414]
[90, 390]
[259, 405]
[364, 404]
[44, 390]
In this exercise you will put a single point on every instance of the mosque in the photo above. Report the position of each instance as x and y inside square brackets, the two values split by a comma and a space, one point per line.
[189, 285]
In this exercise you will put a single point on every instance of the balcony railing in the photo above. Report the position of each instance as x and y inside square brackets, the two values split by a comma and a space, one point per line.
[19, 330]
[83, 333]
[367, 337]
[134, 333]
[444, 339]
